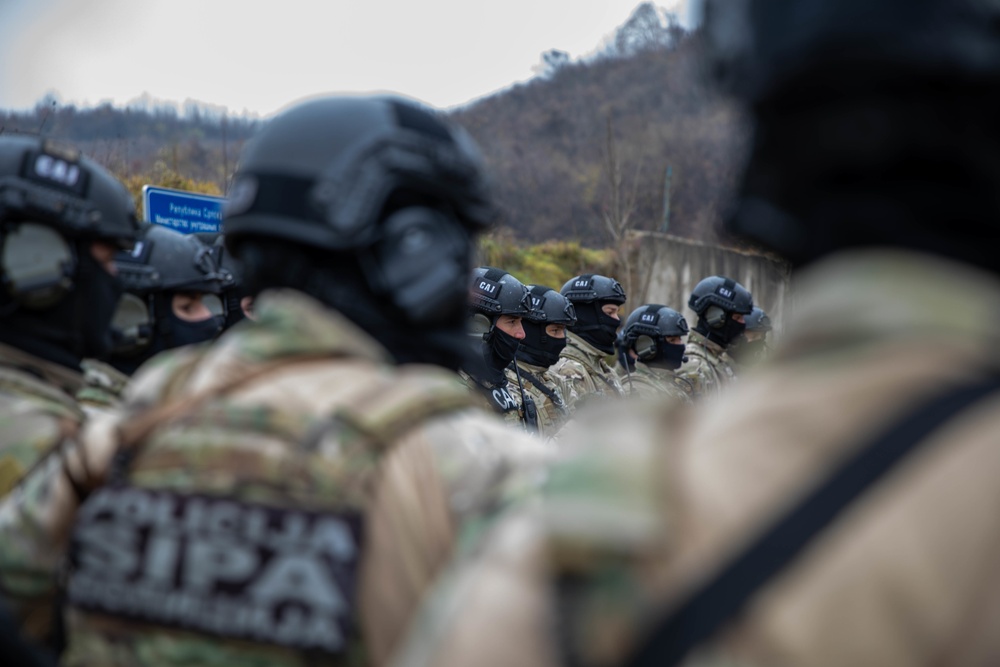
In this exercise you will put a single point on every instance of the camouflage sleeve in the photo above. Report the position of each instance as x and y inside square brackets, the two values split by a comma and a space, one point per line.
[697, 372]
[575, 382]
[439, 487]
[35, 520]
[597, 525]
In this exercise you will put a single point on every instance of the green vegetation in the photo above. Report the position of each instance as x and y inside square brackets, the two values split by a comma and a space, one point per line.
[551, 263]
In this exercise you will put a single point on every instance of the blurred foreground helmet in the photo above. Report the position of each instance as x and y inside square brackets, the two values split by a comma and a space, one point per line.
[757, 48]
[875, 123]
[380, 178]
[54, 203]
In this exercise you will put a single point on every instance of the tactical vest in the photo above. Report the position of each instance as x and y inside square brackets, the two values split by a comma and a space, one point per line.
[243, 523]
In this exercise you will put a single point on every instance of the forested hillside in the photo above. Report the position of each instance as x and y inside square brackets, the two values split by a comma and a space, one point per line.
[550, 144]
[579, 153]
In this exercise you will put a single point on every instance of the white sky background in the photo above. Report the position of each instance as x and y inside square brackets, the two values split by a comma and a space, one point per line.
[259, 56]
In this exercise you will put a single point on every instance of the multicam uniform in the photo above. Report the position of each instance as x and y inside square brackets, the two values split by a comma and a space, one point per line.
[906, 576]
[37, 411]
[287, 506]
[583, 372]
[708, 367]
[545, 391]
[103, 386]
[648, 382]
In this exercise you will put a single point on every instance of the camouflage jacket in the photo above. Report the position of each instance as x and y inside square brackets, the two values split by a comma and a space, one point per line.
[708, 367]
[548, 398]
[37, 411]
[297, 431]
[648, 382]
[584, 373]
[504, 398]
[103, 386]
[625, 533]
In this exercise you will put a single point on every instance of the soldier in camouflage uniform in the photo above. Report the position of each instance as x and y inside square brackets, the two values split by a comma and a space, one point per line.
[497, 303]
[653, 341]
[62, 218]
[721, 304]
[285, 496]
[173, 284]
[764, 532]
[544, 339]
[583, 369]
[751, 348]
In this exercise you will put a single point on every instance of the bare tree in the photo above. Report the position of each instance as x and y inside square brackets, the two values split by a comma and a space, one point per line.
[619, 212]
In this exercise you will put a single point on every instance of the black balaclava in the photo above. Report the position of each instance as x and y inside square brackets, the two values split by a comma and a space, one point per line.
[75, 328]
[500, 348]
[169, 331]
[595, 326]
[538, 347]
[725, 334]
[668, 355]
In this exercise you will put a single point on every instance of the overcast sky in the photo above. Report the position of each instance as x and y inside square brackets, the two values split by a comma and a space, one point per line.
[258, 56]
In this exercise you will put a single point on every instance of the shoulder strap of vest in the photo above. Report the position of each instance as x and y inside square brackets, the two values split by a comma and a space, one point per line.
[132, 432]
[542, 387]
[727, 592]
[398, 402]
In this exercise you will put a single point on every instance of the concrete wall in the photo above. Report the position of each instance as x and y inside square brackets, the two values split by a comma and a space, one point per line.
[666, 268]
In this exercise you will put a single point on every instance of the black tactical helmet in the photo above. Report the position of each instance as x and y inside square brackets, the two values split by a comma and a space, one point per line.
[56, 186]
[758, 47]
[590, 287]
[550, 307]
[164, 260]
[724, 293]
[653, 320]
[495, 292]
[380, 178]
[56, 297]
[758, 320]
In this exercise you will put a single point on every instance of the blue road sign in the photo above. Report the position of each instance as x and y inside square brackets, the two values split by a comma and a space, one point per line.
[187, 212]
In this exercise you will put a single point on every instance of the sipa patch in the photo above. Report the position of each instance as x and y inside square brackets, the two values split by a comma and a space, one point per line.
[213, 565]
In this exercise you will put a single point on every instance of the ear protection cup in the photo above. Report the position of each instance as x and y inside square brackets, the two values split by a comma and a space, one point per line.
[134, 322]
[38, 265]
[480, 324]
[715, 317]
[421, 264]
[645, 347]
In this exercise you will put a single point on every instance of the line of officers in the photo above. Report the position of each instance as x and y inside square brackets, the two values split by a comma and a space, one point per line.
[545, 353]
